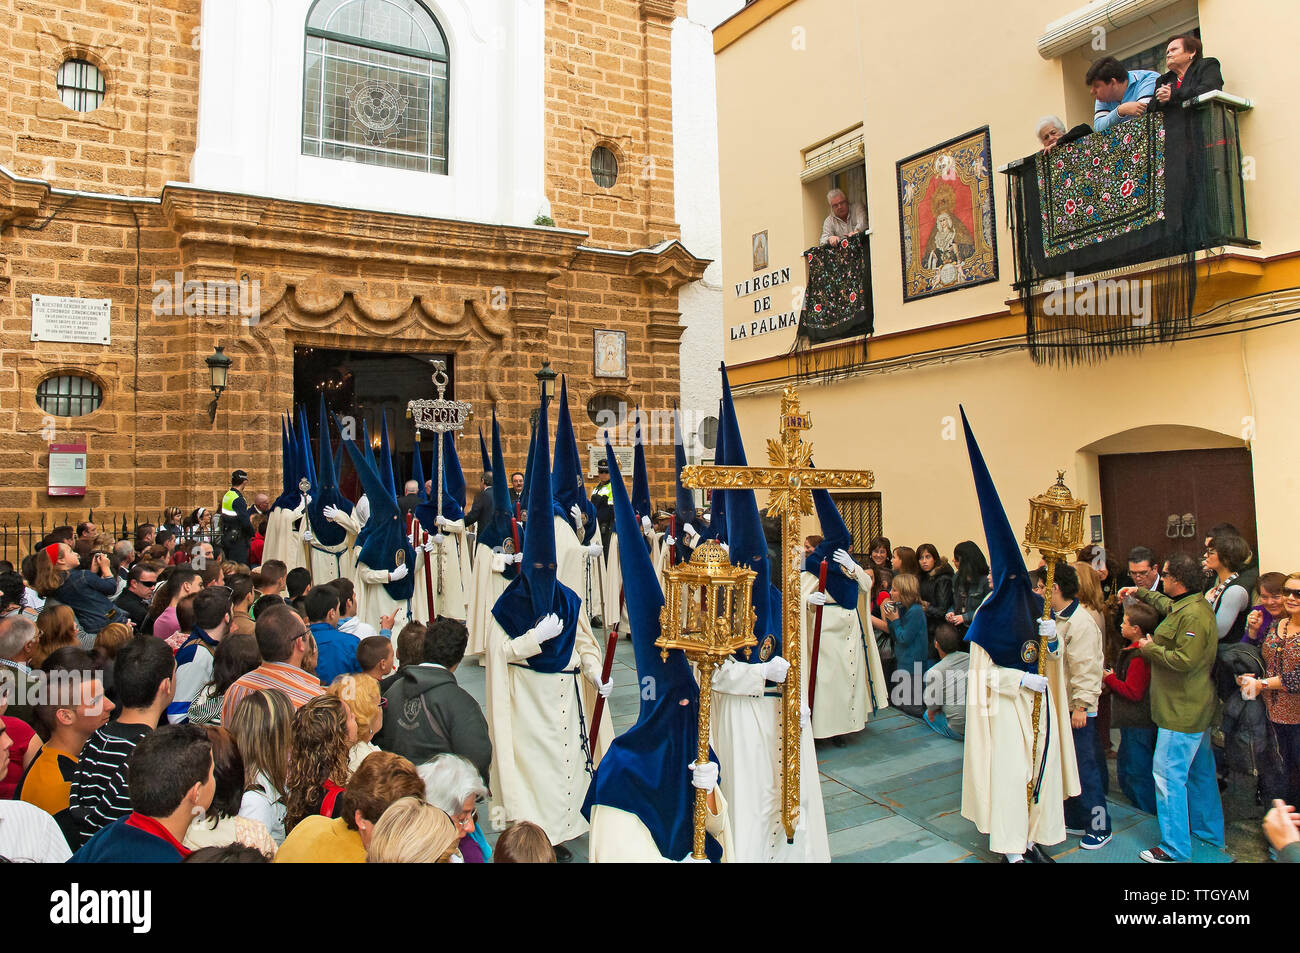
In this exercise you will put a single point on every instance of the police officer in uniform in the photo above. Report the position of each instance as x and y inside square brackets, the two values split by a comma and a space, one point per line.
[236, 527]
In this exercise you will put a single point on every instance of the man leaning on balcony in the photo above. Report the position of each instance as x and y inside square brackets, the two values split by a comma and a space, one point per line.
[844, 220]
[1120, 93]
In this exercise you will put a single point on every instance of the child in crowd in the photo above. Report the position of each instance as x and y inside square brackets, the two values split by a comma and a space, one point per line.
[1129, 682]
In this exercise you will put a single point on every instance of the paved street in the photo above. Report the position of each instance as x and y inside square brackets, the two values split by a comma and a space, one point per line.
[893, 793]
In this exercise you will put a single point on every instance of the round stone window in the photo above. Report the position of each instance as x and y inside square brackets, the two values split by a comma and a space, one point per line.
[81, 85]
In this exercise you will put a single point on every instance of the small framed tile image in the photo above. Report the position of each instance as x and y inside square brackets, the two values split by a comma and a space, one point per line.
[610, 353]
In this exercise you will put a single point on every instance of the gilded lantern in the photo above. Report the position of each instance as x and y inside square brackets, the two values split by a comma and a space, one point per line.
[1055, 526]
[707, 612]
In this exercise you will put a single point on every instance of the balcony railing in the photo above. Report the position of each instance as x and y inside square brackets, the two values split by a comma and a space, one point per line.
[1162, 186]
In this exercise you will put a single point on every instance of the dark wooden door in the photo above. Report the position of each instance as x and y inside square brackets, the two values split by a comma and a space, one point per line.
[1143, 492]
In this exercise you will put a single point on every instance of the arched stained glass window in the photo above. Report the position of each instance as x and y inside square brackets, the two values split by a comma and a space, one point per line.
[375, 84]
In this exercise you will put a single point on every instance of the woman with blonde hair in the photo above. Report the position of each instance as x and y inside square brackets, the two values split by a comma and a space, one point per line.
[412, 831]
[323, 734]
[361, 694]
[171, 521]
[111, 638]
[57, 627]
[262, 726]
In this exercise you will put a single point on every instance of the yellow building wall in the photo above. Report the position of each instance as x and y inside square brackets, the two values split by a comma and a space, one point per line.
[913, 83]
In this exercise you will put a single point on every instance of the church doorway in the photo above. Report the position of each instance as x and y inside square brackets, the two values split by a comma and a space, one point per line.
[1169, 500]
[366, 387]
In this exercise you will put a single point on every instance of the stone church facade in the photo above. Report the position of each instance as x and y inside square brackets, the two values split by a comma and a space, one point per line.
[106, 203]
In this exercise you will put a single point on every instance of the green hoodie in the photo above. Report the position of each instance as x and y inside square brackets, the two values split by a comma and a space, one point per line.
[1181, 652]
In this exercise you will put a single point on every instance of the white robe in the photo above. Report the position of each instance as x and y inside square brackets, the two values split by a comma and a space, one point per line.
[851, 681]
[745, 730]
[619, 837]
[998, 762]
[332, 562]
[614, 587]
[451, 557]
[571, 562]
[539, 772]
[283, 542]
[487, 582]
[373, 600]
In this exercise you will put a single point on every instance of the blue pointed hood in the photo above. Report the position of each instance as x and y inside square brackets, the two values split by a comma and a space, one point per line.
[497, 530]
[567, 485]
[536, 591]
[528, 468]
[417, 473]
[483, 452]
[287, 482]
[684, 498]
[644, 770]
[1006, 624]
[452, 480]
[835, 535]
[306, 460]
[386, 536]
[717, 525]
[453, 475]
[326, 492]
[641, 504]
[748, 543]
[385, 462]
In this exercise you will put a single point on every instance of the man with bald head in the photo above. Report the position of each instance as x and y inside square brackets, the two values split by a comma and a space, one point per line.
[411, 499]
[844, 220]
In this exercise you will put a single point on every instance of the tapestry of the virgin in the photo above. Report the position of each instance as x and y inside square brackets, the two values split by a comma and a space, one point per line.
[945, 215]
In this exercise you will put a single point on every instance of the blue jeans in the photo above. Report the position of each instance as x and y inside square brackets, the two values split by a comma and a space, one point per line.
[1137, 752]
[940, 724]
[1087, 812]
[1187, 792]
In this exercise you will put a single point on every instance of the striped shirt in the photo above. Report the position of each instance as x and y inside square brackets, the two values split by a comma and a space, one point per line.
[99, 793]
[290, 679]
[28, 835]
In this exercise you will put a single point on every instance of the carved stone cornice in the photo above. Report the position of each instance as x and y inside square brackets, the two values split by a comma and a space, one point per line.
[225, 219]
[664, 11]
[664, 268]
[20, 198]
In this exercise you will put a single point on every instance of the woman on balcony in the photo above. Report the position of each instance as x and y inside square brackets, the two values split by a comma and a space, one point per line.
[1190, 74]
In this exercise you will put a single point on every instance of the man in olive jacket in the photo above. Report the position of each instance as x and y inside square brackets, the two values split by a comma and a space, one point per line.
[1181, 652]
[429, 713]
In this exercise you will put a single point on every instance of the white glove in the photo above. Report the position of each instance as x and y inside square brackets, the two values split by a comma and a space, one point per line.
[595, 549]
[845, 562]
[815, 598]
[704, 777]
[434, 541]
[774, 669]
[401, 572]
[547, 629]
[1047, 629]
[725, 548]
[332, 512]
[442, 522]
[692, 859]
[575, 511]
[688, 530]
[646, 525]
[306, 499]
[1035, 683]
[605, 688]
[669, 541]
[805, 715]
[517, 558]
[306, 536]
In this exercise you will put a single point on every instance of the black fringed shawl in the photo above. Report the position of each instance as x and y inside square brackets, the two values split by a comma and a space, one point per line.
[837, 305]
[1131, 194]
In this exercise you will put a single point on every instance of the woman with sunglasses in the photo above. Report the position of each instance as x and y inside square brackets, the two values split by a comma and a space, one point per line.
[1280, 689]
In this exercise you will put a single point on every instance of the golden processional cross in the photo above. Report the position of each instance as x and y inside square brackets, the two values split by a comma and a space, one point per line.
[791, 478]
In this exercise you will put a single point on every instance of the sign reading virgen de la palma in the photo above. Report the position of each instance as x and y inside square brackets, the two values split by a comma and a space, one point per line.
[763, 304]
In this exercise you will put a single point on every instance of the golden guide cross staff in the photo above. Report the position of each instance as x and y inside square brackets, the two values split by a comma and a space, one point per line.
[791, 478]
